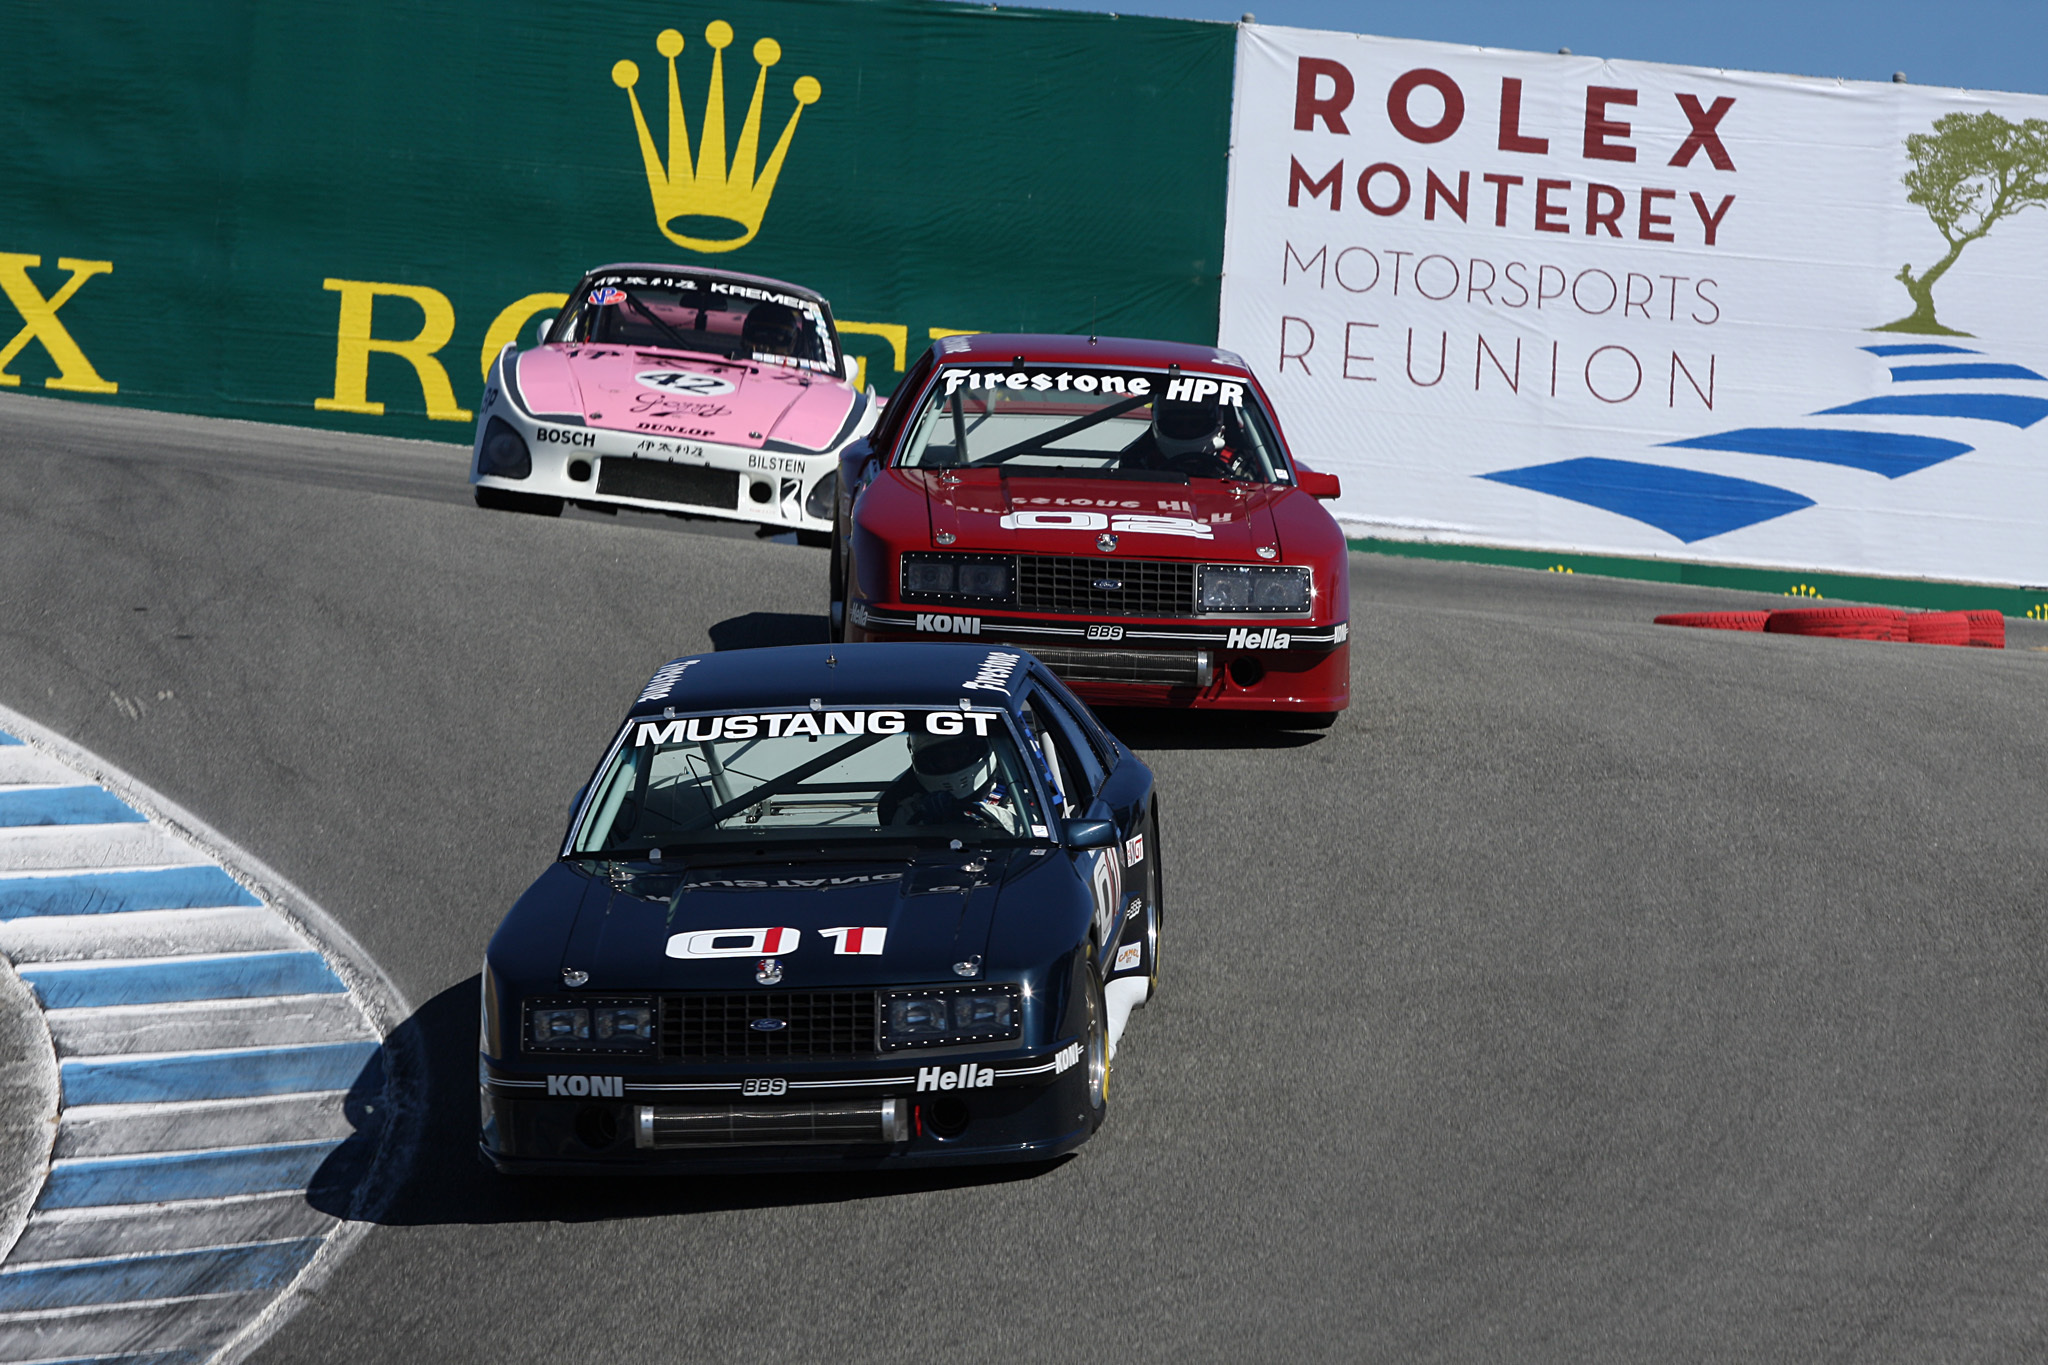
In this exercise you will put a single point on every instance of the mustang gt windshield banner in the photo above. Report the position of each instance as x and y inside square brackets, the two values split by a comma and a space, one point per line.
[1564, 303]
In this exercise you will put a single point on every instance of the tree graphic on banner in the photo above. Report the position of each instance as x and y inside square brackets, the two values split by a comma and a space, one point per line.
[1971, 171]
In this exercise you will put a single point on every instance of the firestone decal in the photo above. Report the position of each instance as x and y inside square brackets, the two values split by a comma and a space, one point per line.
[994, 673]
[663, 683]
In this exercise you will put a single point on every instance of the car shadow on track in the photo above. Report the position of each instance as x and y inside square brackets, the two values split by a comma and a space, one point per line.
[428, 1170]
[1156, 730]
[763, 629]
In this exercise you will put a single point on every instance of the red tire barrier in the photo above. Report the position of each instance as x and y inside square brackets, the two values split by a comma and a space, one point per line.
[1987, 629]
[1938, 628]
[1716, 620]
[1840, 623]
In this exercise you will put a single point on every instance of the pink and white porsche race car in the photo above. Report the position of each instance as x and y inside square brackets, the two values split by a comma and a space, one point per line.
[674, 389]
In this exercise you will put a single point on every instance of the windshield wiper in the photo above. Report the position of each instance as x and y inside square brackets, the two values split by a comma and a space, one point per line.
[633, 300]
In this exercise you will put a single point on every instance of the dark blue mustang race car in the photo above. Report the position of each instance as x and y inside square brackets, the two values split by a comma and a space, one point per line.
[831, 906]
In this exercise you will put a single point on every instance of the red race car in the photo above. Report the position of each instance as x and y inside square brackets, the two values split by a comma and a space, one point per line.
[1125, 510]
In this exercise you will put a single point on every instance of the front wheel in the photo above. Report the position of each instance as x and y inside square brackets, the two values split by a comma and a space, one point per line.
[1096, 1050]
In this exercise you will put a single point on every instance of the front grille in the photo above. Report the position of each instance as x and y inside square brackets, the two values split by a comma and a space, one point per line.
[715, 1028]
[1068, 584]
[660, 481]
[1172, 667]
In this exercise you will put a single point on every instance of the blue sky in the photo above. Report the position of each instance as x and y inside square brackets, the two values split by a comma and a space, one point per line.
[1978, 44]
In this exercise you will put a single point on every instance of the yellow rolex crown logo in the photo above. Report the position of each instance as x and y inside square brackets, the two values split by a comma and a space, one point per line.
[708, 205]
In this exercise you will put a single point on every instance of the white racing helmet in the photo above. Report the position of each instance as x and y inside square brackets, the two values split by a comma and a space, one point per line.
[962, 766]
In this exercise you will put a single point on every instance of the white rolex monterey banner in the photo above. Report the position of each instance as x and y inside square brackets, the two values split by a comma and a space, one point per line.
[1566, 303]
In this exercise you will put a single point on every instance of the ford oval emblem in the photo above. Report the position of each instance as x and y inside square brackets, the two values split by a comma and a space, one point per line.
[769, 1025]
[1109, 585]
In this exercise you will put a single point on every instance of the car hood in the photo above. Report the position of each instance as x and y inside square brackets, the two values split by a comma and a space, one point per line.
[632, 923]
[682, 393]
[1201, 519]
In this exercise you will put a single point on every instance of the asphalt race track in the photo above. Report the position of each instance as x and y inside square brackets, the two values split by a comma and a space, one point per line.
[1594, 991]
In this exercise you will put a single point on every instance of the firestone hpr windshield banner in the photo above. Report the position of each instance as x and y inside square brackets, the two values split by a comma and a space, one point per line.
[1565, 303]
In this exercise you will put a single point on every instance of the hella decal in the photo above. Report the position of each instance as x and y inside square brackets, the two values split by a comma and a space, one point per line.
[966, 1076]
[1243, 637]
[939, 623]
[588, 1087]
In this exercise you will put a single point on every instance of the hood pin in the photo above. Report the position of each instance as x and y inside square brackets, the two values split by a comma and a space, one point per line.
[971, 967]
[572, 976]
[944, 537]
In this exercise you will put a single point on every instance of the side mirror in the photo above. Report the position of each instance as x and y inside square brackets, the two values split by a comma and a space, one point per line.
[849, 365]
[540, 333]
[1317, 484]
[1085, 834]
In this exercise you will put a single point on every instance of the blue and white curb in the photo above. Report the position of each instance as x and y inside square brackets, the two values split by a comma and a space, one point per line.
[211, 1029]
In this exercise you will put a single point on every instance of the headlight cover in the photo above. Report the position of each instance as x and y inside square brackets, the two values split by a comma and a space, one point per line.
[1254, 589]
[504, 454]
[605, 1024]
[982, 580]
[951, 1015]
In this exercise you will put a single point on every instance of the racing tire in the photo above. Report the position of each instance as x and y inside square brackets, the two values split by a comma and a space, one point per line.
[1716, 620]
[505, 500]
[1840, 623]
[1095, 1052]
[1987, 629]
[1155, 913]
[1938, 628]
[835, 595]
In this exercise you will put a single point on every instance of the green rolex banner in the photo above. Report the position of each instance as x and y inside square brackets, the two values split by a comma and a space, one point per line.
[336, 214]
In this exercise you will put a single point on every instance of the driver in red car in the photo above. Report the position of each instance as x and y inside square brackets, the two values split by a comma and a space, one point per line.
[1186, 437]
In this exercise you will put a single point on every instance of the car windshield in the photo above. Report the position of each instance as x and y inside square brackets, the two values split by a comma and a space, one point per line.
[684, 312]
[1096, 423]
[675, 783]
